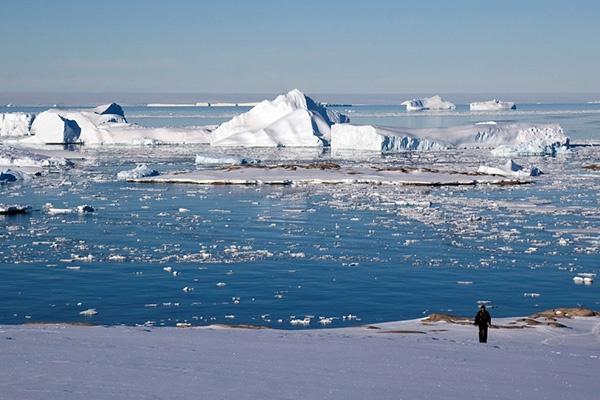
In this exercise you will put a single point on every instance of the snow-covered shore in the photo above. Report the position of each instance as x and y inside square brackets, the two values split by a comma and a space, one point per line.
[399, 360]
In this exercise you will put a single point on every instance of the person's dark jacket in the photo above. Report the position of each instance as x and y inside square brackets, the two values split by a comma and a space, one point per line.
[483, 319]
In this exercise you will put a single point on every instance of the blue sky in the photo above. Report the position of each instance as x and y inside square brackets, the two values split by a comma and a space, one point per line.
[318, 46]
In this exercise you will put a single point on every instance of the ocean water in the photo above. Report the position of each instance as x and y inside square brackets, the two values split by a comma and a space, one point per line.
[268, 255]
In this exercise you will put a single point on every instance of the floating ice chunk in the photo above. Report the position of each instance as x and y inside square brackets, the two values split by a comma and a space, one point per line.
[188, 289]
[140, 171]
[12, 175]
[300, 322]
[168, 269]
[428, 103]
[325, 320]
[492, 105]
[90, 312]
[15, 124]
[510, 168]
[207, 160]
[292, 119]
[183, 325]
[531, 295]
[84, 208]
[464, 282]
[14, 209]
[221, 284]
[578, 280]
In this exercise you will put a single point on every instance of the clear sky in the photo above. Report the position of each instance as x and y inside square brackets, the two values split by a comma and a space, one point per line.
[371, 46]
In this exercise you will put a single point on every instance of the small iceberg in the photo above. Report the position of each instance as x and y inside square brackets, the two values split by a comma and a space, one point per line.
[510, 168]
[492, 105]
[140, 171]
[433, 103]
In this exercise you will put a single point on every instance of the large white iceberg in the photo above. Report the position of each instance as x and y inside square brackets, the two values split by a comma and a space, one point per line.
[492, 105]
[106, 125]
[15, 124]
[293, 119]
[428, 103]
[535, 139]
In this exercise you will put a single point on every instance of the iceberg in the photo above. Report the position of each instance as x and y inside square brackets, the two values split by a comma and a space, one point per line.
[292, 119]
[107, 125]
[510, 168]
[140, 171]
[428, 103]
[515, 138]
[15, 124]
[492, 105]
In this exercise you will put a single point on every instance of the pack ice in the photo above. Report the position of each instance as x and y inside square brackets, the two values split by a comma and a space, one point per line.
[503, 139]
[292, 119]
[428, 103]
[492, 105]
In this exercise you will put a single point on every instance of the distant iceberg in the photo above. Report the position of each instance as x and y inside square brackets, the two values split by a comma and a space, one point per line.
[538, 139]
[293, 119]
[492, 105]
[428, 103]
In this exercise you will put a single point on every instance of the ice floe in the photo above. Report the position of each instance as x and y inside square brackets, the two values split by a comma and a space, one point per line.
[428, 103]
[326, 173]
[292, 119]
[492, 105]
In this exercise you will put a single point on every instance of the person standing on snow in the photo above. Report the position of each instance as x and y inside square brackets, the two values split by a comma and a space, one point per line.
[483, 320]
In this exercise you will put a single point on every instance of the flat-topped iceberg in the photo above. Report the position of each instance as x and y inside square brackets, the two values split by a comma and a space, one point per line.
[292, 119]
[492, 105]
[538, 139]
[15, 124]
[428, 103]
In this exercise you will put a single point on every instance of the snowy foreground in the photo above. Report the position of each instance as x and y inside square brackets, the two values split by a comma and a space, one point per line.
[400, 360]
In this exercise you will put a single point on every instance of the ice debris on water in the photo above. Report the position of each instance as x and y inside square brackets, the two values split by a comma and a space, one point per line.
[90, 312]
[14, 209]
[140, 171]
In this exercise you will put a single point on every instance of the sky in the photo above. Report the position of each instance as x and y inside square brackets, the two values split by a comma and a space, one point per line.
[374, 46]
